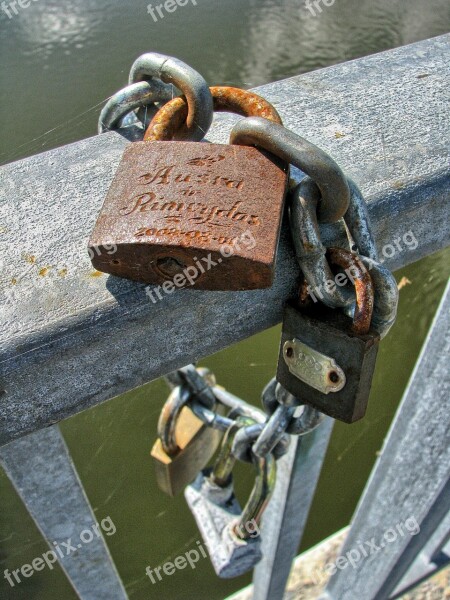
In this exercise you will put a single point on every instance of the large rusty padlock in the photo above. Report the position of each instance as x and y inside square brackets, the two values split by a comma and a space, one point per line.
[186, 213]
[232, 536]
[326, 358]
[184, 445]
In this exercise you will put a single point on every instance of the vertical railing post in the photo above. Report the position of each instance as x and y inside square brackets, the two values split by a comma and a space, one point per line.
[43, 474]
[407, 498]
[285, 518]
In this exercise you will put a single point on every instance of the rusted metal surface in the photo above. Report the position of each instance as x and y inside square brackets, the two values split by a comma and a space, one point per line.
[187, 214]
[303, 154]
[363, 286]
[168, 122]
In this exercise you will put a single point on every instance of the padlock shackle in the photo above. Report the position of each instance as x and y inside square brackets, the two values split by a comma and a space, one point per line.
[295, 150]
[225, 462]
[259, 498]
[165, 125]
[177, 400]
[199, 116]
[362, 281]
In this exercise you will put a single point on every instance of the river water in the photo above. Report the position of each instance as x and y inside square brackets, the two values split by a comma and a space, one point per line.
[60, 61]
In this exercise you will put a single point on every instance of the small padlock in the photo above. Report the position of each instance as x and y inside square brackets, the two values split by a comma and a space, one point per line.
[184, 213]
[326, 359]
[185, 444]
[232, 536]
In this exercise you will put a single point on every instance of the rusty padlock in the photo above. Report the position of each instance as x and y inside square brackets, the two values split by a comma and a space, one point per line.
[184, 445]
[204, 214]
[327, 359]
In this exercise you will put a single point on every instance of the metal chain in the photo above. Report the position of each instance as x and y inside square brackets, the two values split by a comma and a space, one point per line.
[270, 430]
[154, 79]
[311, 253]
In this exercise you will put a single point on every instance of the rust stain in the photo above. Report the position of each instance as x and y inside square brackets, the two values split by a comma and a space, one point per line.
[363, 287]
[95, 274]
[398, 185]
[44, 271]
[339, 134]
[169, 122]
[29, 258]
[199, 199]
[404, 281]
[62, 272]
[14, 281]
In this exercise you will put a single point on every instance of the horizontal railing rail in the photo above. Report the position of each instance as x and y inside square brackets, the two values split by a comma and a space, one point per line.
[72, 338]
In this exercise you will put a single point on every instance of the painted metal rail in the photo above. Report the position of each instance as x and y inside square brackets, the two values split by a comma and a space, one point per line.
[382, 118]
[72, 338]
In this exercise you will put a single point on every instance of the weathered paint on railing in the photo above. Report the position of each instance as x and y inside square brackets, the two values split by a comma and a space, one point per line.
[72, 338]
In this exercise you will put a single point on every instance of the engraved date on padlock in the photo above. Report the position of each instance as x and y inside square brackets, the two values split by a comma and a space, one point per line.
[207, 215]
[313, 368]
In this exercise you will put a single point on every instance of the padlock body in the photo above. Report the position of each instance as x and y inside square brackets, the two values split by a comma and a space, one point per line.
[209, 212]
[328, 332]
[197, 444]
[216, 511]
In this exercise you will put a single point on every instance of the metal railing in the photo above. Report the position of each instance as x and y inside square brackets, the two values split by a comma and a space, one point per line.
[72, 338]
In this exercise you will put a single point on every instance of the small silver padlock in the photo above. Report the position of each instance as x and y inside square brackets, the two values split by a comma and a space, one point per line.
[232, 536]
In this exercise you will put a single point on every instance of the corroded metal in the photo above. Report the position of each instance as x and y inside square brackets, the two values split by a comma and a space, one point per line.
[363, 287]
[192, 214]
[315, 368]
[167, 123]
[297, 151]
[329, 331]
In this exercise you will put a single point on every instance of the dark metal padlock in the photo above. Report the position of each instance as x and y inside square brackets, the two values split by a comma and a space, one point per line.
[207, 215]
[185, 444]
[326, 359]
[232, 536]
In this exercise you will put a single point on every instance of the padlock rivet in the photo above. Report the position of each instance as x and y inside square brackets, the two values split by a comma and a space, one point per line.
[333, 377]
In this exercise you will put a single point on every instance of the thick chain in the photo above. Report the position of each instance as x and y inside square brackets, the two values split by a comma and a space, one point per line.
[270, 430]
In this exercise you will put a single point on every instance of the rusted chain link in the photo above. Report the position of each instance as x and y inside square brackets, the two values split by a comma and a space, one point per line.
[311, 254]
[166, 124]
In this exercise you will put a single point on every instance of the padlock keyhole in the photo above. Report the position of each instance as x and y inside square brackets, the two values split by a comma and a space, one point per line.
[170, 266]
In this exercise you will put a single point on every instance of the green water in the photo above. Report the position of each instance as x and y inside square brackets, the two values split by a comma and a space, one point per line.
[60, 61]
